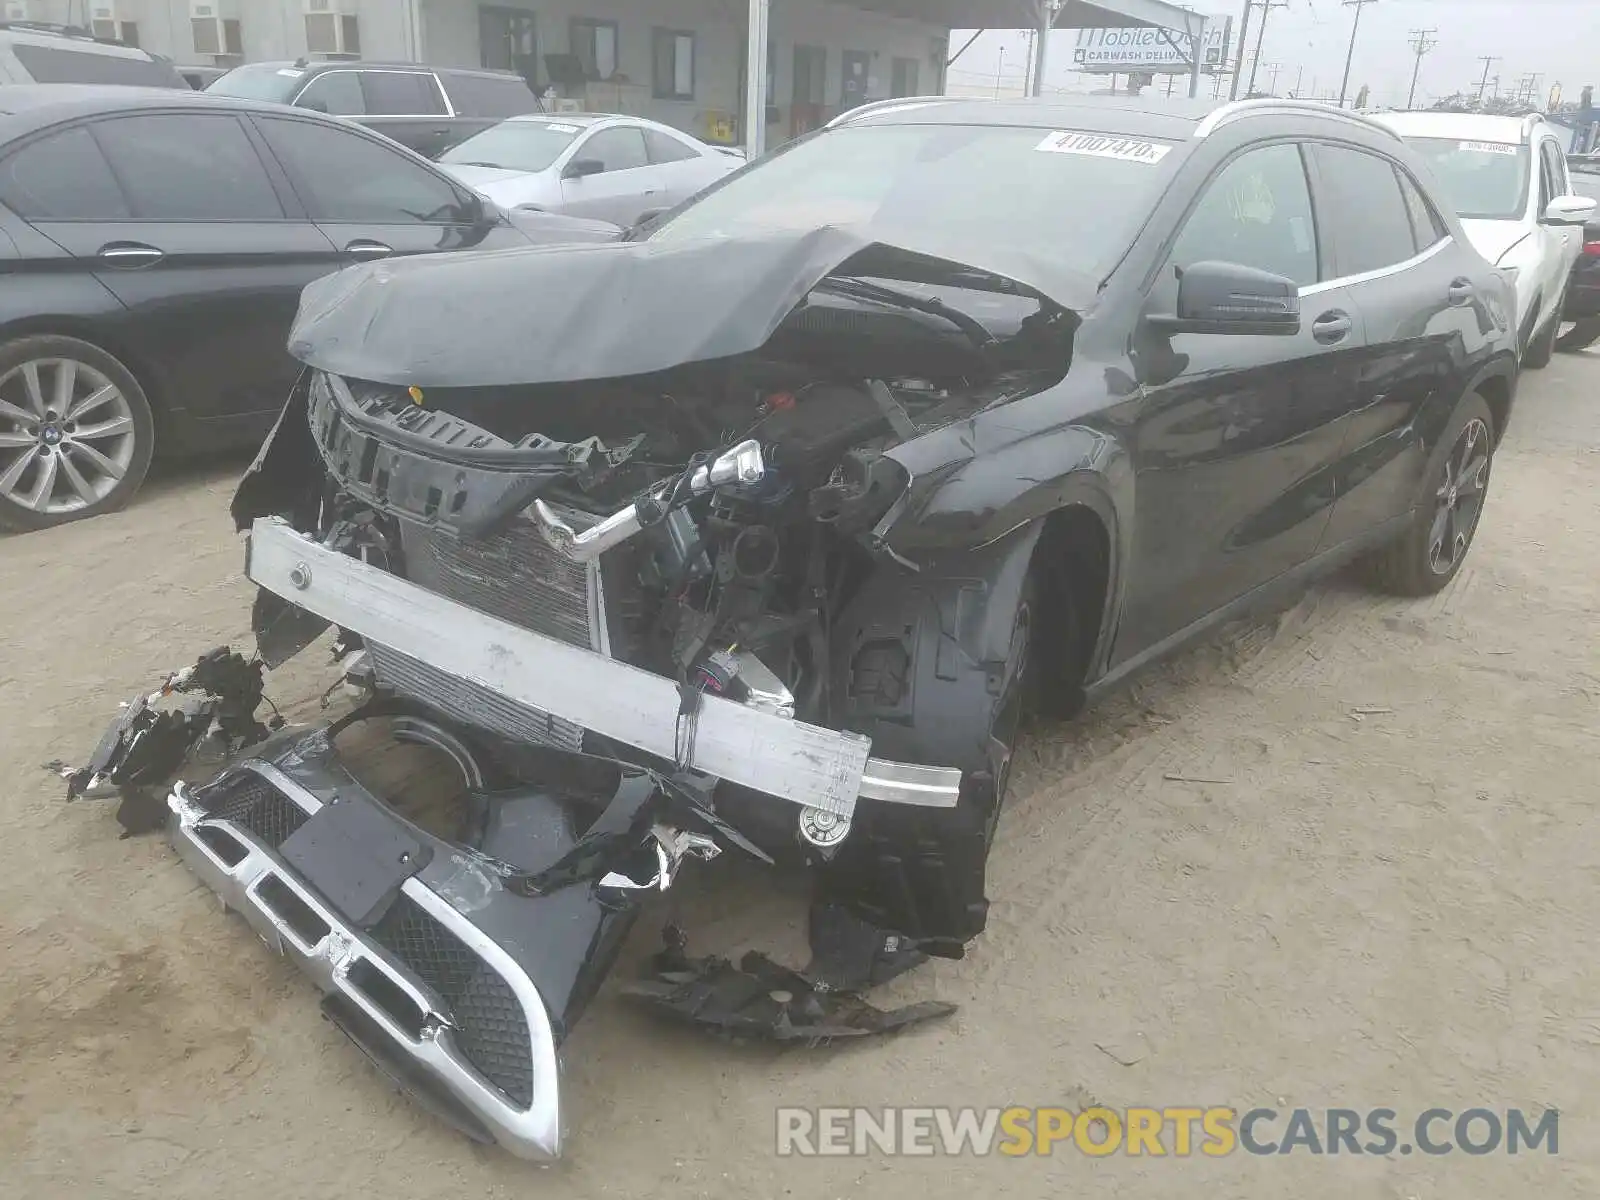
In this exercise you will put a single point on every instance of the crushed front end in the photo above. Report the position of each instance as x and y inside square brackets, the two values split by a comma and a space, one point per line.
[652, 617]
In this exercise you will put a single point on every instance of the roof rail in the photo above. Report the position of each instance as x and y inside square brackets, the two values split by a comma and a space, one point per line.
[878, 106]
[71, 31]
[1263, 106]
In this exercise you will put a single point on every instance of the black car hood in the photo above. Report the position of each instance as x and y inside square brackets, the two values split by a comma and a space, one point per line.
[565, 313]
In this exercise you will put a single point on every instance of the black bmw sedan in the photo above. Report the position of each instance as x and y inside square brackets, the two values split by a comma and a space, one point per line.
[153, 245]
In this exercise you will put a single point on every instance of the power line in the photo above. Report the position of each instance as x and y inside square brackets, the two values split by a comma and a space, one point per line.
[1349, 57]
[1422, 41]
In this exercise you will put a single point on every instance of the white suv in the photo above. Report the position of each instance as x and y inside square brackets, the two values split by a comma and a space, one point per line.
[1507, 178]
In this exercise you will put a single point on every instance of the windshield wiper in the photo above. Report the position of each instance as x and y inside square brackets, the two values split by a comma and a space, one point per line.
[860, 289]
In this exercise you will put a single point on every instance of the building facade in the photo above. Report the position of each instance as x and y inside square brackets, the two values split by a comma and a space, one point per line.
[679, 61]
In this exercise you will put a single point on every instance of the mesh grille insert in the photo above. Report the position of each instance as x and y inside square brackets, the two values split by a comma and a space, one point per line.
[252, 803]
[491, 1028]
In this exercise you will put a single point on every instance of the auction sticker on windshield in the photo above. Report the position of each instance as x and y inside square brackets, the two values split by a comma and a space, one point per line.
[1100, 145]
[551, 125]
[1489, 147]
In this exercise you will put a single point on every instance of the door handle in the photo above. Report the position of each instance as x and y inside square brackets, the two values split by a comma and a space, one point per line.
[1330, 327]
[130, 255]
[363, 248]
[1461, 291]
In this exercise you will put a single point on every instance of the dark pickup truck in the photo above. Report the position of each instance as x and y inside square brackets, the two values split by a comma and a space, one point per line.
[426, 108]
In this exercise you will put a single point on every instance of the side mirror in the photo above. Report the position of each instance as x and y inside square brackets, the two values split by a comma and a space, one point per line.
[1224, 297]
[581, 168]
[1569, 210]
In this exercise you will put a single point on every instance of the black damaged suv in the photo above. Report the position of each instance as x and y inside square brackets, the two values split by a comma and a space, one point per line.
[763, 529]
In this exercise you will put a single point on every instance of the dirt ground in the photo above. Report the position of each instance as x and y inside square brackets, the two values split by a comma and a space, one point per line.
[1393, 907]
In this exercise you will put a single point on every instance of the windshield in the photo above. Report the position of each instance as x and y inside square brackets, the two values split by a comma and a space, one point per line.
[1484, 181]
[514, 145]
[1081, 195]
[260, 82]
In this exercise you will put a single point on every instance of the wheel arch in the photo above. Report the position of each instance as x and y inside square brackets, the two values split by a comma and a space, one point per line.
[145, 372]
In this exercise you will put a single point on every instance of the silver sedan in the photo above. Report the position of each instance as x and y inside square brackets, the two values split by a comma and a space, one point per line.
[587, 165]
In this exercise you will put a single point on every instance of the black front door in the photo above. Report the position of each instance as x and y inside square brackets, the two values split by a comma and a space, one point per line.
[855, 80]
[1235, 435]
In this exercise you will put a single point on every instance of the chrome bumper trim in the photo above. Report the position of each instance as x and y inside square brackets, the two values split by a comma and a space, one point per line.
[533, 1133]
[806, 764]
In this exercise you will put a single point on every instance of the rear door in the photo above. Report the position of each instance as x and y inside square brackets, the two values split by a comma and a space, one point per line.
[208, 251]
[373, 200]
[1423, 304]
[1236, 435]
[627, 183]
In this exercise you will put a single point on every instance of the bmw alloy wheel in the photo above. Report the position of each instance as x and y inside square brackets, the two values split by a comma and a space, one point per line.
[67, 436]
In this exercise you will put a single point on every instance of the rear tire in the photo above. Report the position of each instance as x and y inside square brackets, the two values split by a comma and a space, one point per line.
[1581, 336]
[76, 432]
[1428, 555]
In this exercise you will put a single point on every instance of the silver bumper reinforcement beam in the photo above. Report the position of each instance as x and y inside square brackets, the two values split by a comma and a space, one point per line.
[806, 764]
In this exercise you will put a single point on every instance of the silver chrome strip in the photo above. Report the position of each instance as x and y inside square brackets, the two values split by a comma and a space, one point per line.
[1382, 272]
[806, 764]
[532, 1133]
[911, 783]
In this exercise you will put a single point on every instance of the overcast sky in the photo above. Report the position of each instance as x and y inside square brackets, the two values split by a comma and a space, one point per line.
[1558, 40]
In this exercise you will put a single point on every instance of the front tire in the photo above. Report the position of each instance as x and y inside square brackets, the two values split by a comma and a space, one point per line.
[76, 432]
[1429, 554]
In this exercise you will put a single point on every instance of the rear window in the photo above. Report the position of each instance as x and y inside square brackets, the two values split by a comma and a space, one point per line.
[1486, 181]
[487, 96]
[70, 64]
[1078, 197]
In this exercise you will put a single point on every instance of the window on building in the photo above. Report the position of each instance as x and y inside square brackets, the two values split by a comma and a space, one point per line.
[594, 44]
[810, 75]
[336, 92]
[213, 35]
[190, 167]
[904, 77]
[674, 65]
[508, 40]
[62, 178]
[401, 94]
[1257, 213]
[1371, 224]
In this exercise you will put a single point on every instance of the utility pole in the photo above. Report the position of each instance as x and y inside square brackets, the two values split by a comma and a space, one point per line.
[1488, 61]
[1299, 81]
[1422, 41]
[1261, 35]
[1238, 63]
[1349, 57]
[1273, 70]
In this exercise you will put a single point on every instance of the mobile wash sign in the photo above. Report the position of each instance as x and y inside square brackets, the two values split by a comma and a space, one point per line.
[1149, 51]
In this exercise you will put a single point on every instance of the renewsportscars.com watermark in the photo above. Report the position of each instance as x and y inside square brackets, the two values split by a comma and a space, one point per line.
[1162, 1132]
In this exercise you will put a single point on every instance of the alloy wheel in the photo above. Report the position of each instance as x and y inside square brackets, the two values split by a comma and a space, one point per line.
[1459, 500]
[67, 435]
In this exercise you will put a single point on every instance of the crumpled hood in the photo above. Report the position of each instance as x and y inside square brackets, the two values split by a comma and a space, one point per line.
[566, 313]
[1493, 239]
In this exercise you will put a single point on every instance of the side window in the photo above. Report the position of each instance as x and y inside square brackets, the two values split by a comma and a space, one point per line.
[336, 92]
[619, 149]
[1425, 223]
[401, 94]
[62, 177]
[345, 176]
[198, 167]
[1368, 215]
[664, 148]
[486, 96]
[1256, 212]
[1555, 170]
